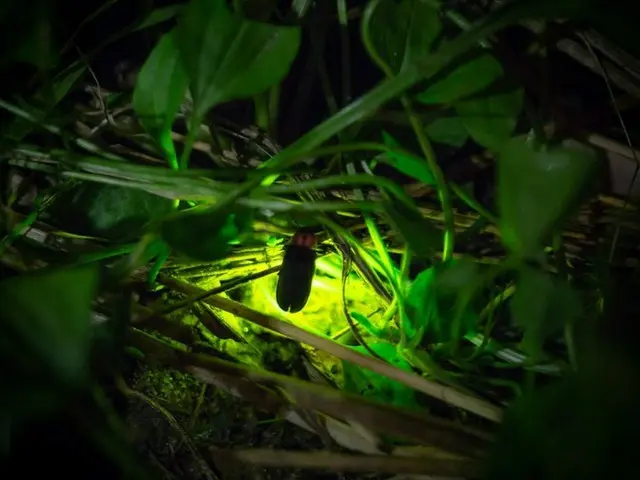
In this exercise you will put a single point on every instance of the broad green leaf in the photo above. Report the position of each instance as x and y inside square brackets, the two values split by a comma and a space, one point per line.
[448, 130]
[562, 430]
[206, 235]
[542, 305]
[419, 305]
[227, 57]
[491, 120]
[109, 211]
[378, 387]
[411, 165]
[469, 78]
[49, 315]
[431, 304]
[401, 33]
[457, 276]
[364, 322]
[421, 235]
[160, 89]
[537, 189]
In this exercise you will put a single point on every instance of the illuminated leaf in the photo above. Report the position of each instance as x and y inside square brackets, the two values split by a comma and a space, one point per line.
[448, 130]
[431, 303]
[49, 316]
[403, 32]
[411, 165]
[537, 190]
[378, 387]
[160, 89]
[227, 57]
[206, 235]
[491, 120]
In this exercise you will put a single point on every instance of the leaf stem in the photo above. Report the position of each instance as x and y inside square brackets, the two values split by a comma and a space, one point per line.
[194, 125]
[419, 131]
[261, 106]
[390, 88]
[443, 191]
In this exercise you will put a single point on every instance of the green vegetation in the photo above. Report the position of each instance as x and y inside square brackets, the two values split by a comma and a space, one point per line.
[141, 233]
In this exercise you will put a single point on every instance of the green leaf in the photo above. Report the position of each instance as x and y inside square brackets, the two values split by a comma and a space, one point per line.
[469, 78]
[563, 429]
[448, 130]
[457, 276]
[364, 322]
[431, 303]
[419, 305]
[160, 89]
[411, 165]
[421, 235]
[537, 189]
[49, 316]
[159, 15]
[109, 211]
[401, 33]
[542, 305]
[227, 57]
[378, 387]
[491, 120]
[206, 234]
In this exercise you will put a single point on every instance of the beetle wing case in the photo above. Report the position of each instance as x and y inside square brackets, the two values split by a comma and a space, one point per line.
[295, 278]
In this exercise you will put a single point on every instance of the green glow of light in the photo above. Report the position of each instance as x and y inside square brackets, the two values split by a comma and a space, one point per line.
[323, 313]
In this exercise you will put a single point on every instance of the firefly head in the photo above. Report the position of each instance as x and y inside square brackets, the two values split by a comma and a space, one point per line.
[303, 238]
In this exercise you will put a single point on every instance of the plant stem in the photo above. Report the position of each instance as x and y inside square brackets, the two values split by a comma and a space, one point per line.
[438, 176]
[261, 106]
[390, 88]
[274, 110]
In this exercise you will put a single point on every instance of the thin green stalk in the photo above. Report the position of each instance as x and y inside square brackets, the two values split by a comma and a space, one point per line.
[419, 131]
[392, 87]
[344, 51]
[104, 254]
[194, 126]
[261, 107]
[374, 232]
[467, 294]
[18, 231]
[376, 263]
[342, 181]
[325, 84]
[349, 237]
[57, 131]
[438, 176]
[473, 203]
[274, 110]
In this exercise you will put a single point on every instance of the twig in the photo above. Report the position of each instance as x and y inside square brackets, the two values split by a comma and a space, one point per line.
[446, 394]
[353, 463]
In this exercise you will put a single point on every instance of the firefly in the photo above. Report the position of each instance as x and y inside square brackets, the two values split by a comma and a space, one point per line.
[296, 272]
